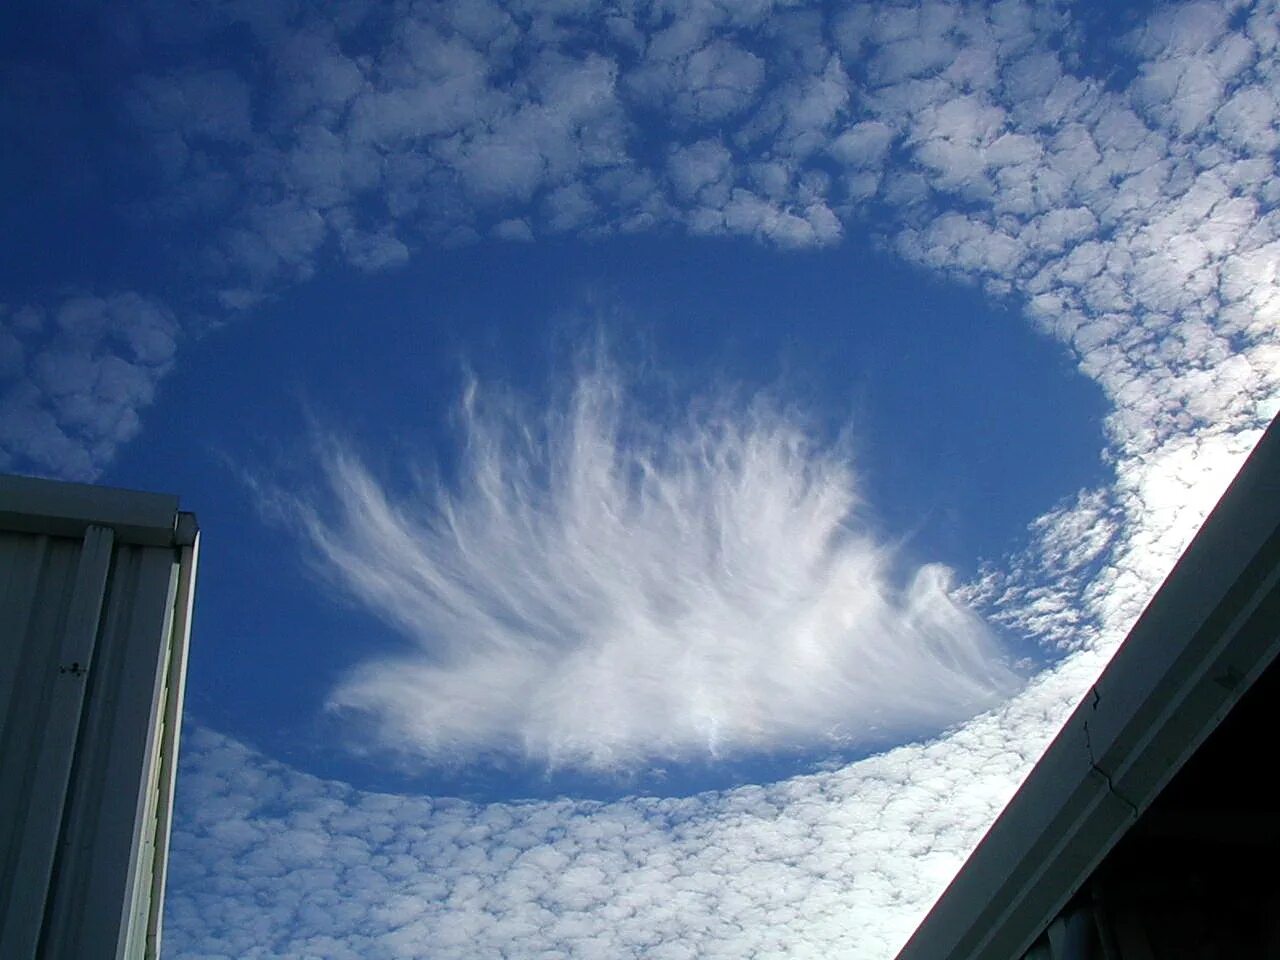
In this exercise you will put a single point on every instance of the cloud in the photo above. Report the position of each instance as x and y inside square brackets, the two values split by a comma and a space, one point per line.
[1135, 222]
[271, 862]
[513, 230]
[75, 378]
[1121, 219]
[699, 167]
[972, 140]
[598, 589]
[702, 86]
[863, 144]
[1133, 216]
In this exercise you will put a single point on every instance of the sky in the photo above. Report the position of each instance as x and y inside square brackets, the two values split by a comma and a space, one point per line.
[666, 470]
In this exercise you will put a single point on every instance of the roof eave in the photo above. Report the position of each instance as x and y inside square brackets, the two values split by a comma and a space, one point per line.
[1206, 635]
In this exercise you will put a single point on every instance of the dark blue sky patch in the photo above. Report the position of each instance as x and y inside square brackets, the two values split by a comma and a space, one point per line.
[919, 371]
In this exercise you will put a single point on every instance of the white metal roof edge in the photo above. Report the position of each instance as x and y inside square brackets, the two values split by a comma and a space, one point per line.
[64, 509]
[1206, 635]
[180, 640]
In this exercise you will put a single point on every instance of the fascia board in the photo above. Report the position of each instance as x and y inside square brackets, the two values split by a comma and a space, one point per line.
[1199, 644]
[62, 509]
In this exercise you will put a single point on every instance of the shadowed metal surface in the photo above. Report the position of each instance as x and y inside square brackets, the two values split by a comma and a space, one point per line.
[1207, 635]
[96, 588]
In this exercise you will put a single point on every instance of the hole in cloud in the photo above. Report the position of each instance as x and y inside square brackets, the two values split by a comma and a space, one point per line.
[599, 587]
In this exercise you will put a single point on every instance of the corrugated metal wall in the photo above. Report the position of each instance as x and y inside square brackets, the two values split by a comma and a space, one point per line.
[93, 636]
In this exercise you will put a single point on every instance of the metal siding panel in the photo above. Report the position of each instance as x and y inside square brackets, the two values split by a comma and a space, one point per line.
[87, 752]
[141, 906]
[22, 558]
[52, 600]
[32, 568]
[49, 770]
[99, 860]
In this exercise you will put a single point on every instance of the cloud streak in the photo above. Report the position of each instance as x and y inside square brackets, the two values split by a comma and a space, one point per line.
[598, 589]
[1137, 222]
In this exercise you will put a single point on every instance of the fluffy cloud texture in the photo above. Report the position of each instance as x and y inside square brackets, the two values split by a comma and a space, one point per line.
[1134, 216]
[270, 862]
[73, 378]
[601, 590]
[1136, 220]
[1136, 223]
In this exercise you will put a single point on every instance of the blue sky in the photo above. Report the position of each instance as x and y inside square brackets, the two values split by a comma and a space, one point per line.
[666, 469]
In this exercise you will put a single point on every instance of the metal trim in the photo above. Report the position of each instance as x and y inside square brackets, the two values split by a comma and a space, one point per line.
[64, 509]
[1191, 656]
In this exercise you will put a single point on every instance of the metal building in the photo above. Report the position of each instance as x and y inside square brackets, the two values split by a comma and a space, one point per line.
[96, 589]
[1150, 828]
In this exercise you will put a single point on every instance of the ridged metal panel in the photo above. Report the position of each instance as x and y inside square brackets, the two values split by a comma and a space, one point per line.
[93, 635]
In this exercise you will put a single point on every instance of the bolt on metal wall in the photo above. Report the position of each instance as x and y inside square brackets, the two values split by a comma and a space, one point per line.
[96, 588]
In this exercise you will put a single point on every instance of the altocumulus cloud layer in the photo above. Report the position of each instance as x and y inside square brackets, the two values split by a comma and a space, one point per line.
[1133, 215]
[74, 377]
[273, 863]
[599, 590]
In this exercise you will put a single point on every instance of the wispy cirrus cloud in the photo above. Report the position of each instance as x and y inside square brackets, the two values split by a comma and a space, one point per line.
[1133, 216]
[598, 588]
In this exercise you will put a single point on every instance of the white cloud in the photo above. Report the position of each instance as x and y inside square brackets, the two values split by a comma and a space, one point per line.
[369, 250]
[699, 167]
[1247, 121]
[702, 86]
[271, 862]
[1136, 225]
[513, 230]
[596, 590]
[863, 145]
[460, 116]
[568, 208]
[75, 379]
[1122, 218]
[280, 238]
[317, 79]
[795, 121]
